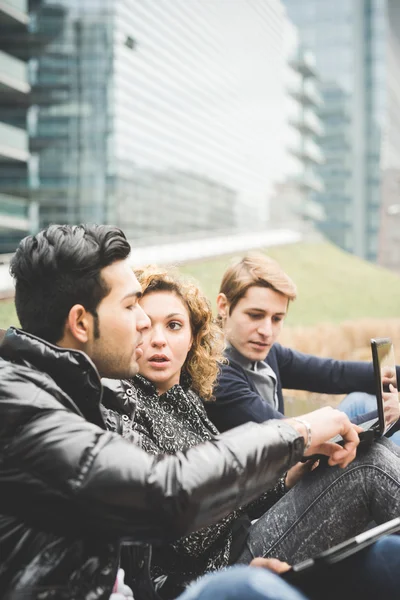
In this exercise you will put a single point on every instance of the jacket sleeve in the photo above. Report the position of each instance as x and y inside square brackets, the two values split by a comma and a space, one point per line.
[235, 403]
[60, 470]
[300, 371]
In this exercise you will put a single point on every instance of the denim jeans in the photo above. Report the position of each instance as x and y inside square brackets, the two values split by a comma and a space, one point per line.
[328, 506]
[241, 583]
[360, 403]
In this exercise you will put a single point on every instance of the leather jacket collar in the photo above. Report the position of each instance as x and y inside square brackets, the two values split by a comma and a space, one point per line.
[72, 370]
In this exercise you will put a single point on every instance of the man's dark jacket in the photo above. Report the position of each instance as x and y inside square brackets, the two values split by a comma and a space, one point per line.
[70, 491]
[237, 400]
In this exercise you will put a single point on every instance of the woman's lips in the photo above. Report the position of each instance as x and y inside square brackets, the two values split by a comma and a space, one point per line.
[158, 361]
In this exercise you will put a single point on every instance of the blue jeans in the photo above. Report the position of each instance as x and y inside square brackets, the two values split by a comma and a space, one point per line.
[241, 583]
[360, 403]
[328, 506]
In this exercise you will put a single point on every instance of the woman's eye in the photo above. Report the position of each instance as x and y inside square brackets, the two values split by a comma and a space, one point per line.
[254, 316]
[174, 325]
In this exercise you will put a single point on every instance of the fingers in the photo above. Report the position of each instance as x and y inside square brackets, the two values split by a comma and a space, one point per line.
[343, 457]
[340, 456]
[350, 434]
[325, 424]
[273, 564]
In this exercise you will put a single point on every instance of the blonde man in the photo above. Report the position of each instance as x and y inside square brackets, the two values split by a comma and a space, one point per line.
[252, 305]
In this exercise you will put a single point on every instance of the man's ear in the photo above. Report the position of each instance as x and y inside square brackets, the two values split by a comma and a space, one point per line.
[79, 324]
[222, 305]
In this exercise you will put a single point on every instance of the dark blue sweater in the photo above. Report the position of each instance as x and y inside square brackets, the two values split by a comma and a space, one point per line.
[237, 400]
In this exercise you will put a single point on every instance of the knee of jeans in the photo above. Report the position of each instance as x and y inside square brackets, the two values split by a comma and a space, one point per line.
[388, 548]
[383, 559]
[270, 586]
[237, 583]
[357, 403]
[395, 438]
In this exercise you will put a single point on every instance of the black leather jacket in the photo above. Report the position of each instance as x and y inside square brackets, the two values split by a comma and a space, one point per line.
[70, 491]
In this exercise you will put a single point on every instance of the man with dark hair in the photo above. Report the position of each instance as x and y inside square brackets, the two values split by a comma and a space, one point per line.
[72, 491]
[64, 267]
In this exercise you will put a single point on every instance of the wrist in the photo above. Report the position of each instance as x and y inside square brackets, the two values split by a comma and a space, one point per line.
[304, 429]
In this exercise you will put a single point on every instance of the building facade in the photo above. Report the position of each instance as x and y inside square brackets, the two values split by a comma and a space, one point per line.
[295, 203]
[16, 210]
[352, 43]
[163, 118]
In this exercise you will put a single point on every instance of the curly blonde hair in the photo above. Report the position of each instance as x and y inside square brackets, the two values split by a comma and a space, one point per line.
[206, 354]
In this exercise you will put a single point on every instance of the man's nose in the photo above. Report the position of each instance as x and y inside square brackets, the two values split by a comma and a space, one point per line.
[142, 322]
[265, 327]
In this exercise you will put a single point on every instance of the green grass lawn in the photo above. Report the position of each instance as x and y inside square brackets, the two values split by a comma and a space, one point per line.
[8, 316]
[332, 285]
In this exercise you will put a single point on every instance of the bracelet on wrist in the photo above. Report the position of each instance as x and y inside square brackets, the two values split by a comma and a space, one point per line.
[308, 430]
[281, 487]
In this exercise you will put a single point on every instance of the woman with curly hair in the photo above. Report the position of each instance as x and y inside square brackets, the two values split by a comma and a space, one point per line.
[163, 412]
[182, 351]
[202, 350]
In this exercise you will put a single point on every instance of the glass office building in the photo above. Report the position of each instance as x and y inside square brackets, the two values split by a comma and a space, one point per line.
[352, 42]
[161, 117]
[15, 207]
[294, 204]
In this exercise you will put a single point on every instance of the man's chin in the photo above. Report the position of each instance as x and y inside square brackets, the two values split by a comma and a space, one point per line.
[127, 373]
[134, 370]
[261, 354]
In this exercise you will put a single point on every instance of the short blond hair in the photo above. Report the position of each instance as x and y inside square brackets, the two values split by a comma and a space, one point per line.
[255, 269]
[206, 353]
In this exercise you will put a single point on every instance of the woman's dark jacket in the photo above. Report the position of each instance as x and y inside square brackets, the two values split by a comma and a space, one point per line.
[167, 423]
[71, 491]
[237, 399]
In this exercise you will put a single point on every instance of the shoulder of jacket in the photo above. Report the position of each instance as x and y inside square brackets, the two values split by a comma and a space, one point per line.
[26, 385]
[231, 367]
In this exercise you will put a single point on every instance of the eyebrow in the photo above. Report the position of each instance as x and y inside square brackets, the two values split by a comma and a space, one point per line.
[174, 314]
[262, 310]
[138, 294]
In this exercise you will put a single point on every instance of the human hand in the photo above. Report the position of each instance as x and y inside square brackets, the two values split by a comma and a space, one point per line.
[391, 405]
[273, 564]
[388, 375]
[326, 423]
[121, 591]
[298, 471]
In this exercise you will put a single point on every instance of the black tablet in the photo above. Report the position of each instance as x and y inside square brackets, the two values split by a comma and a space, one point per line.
[341, 551]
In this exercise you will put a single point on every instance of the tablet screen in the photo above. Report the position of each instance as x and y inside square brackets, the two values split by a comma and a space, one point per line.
[385, 374]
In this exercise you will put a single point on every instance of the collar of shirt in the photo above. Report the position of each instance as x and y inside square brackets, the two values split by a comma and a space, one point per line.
[254, 366]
